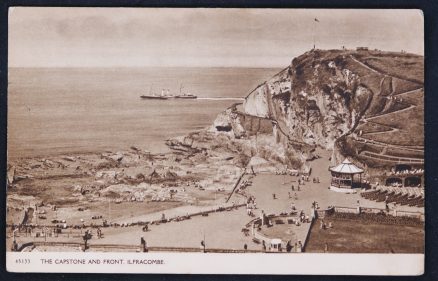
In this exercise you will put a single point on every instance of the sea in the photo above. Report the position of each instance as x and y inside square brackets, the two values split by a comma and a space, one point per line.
[54, 111]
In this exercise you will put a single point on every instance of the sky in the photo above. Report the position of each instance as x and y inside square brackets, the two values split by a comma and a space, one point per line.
[161, 37]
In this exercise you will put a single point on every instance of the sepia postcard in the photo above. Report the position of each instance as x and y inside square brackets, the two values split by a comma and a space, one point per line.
[207, 140]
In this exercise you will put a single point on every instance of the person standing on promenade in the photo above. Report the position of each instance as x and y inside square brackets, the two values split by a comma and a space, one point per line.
[202, 247]
[142, 244]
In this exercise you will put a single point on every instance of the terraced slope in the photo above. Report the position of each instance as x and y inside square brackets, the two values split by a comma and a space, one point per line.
[394, 134]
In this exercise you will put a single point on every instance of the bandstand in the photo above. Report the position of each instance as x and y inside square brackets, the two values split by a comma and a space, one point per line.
[343, 176]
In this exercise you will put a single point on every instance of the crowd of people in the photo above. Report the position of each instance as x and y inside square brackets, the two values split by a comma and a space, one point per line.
[397, 195]
[325, 226]
[286, 172]
[251, 205]
[301, 217]
[406, 172]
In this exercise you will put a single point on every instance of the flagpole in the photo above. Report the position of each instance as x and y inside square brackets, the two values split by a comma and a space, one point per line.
[315, 20]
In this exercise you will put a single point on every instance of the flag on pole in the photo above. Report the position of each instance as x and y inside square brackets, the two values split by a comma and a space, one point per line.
[313, 32]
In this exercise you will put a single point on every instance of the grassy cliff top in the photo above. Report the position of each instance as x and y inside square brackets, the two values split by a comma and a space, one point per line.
[401, 65]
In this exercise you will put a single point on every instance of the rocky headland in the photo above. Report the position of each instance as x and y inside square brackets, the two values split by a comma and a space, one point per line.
[367, 105]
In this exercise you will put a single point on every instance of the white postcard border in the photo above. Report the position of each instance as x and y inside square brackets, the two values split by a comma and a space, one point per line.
[205, 263]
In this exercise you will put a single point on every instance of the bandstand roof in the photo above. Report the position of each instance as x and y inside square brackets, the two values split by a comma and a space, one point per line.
[276, 241]
[346, 167]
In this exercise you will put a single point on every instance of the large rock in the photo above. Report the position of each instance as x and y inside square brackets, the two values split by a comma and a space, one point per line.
[322, 98]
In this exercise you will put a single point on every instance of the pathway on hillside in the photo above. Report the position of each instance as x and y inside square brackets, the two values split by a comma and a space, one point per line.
[409, 92]
[379, 143]
[382, 72]
[392, 159]
[392, 129]
[389, 113]
[364, 65]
